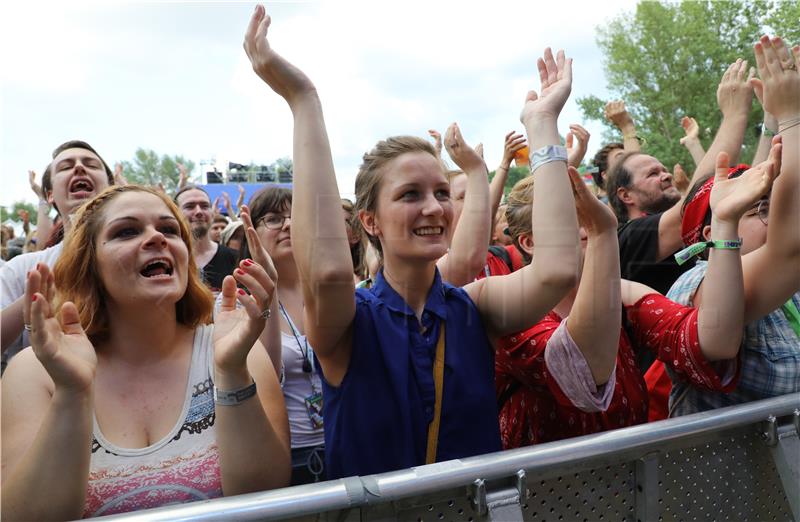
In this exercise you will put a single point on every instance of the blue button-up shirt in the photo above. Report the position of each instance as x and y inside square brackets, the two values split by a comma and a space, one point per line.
[377, 419]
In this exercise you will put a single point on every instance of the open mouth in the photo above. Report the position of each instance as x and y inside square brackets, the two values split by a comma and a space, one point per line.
[157, 268]
[429, 231]
[81, 185]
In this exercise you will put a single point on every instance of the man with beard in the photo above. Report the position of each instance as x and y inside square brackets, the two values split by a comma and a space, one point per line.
[214, 260]
[644, 198]
[641, 192]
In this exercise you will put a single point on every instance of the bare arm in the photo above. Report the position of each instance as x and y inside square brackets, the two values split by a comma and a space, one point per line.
[772, 273]
[253, 436]
[319, 239]
[47, 412]
[594, 321]
[240, 200]
[467, 254]
[734, 95]
[513, 143]
[692, 139]
[515, 302]
[618, 114]
[769, 128]
[720, 297]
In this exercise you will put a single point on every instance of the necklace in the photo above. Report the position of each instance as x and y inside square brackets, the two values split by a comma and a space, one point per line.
[303, 347]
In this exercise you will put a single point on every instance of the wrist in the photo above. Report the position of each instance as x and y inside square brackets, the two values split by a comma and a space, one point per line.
[724, 227]
[504, 165]
[232, 377]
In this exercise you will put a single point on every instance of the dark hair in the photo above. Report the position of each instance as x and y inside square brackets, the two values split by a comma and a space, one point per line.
[601, 162]
[47, 181]
[220, 218]
[268, 199]
[187, 188]
[619, 177]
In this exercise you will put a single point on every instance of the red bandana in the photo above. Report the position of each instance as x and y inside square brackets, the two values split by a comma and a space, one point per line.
[699, 206]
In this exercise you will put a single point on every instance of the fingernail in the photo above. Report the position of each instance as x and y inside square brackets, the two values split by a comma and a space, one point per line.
[35, 297]
[240, 272]
[241, 292]
[247, 262]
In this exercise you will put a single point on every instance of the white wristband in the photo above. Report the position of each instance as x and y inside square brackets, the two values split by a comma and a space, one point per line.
[547, 154]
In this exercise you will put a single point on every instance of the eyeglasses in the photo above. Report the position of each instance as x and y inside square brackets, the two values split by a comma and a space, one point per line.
[762, 211]
[274, 221]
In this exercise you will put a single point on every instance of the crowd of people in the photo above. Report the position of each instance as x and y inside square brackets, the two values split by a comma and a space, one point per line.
[163, 352]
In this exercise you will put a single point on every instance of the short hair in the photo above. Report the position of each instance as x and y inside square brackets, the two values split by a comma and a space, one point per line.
[47, 177]
[619, 177]
[187, 188]
[370, 173]
[601, 162]
[77, 277]
[220, 218]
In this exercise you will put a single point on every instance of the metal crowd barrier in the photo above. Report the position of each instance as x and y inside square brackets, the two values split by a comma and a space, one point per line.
[740, 463]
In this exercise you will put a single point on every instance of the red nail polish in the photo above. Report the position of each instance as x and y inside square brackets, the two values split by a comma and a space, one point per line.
[35, 297]
[241, 292]
[240, 272]
[247, 262]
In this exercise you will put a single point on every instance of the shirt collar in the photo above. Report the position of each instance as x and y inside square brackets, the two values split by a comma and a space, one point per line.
[434, 304]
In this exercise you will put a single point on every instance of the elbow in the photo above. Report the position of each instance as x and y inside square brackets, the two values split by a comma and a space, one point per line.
[722, 347]
[563, 278]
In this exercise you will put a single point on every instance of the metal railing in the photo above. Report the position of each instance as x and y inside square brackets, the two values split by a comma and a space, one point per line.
[635, 473]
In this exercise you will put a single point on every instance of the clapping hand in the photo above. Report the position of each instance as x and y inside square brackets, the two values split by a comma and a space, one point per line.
[35, 187]
[593, 215]
[462, 154]
[778, 87]
[616, 112]
[60, 345]
[732, 198]
[691, 128]
[437, 141]
[237, 329]
[735, 93]
[575, 153]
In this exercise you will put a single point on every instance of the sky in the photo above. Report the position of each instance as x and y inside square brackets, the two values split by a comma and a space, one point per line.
[173, 76]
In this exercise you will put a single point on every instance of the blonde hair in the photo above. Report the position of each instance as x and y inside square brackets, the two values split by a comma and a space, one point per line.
[77, 277]
[371, 171]
[519, 212]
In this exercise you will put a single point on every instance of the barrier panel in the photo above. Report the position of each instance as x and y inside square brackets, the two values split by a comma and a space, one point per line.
[739, 463]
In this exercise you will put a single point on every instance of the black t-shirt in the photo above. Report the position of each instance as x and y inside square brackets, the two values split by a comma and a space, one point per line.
[223, 263]
[638, 254]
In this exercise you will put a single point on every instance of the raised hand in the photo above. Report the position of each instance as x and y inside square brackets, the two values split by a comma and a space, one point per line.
[732, 198]
[284, 78]
[616, 112]
[479, 150]
[437, 141]
[779, 85]
[556, 79]
[593, 215]
[735, 93]
[680, 179]
[119, 178]
[183, 178]
[237, 329]
[61, 346]
[575, 153]
[462, 154]
[514, 142]
[691, 128]
[35, 187]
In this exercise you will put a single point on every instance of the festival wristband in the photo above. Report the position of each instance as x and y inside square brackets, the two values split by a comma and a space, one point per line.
[547, 154]
[234, 397]
[698, 248]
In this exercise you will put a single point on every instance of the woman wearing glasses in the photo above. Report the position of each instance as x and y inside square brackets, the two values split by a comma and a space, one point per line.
[289, 349]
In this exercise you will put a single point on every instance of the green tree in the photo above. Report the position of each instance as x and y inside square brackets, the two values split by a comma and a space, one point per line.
[147, 168]
[514, 175]
[666, 59]
[11, 213]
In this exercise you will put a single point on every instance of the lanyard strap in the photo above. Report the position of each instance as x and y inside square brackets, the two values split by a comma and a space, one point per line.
[792, 315]
[438, 381]
[307, 365]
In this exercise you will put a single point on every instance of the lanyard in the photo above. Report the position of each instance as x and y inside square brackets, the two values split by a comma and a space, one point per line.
[303, 350]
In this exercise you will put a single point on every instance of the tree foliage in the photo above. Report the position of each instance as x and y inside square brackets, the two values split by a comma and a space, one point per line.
[11, 213]
[666, 59]
[514, 175]
[148, 168]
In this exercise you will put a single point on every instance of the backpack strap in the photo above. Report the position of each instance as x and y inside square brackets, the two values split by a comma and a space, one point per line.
[502, 253]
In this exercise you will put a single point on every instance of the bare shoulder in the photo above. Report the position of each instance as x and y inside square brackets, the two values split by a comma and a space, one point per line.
[633, 292]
